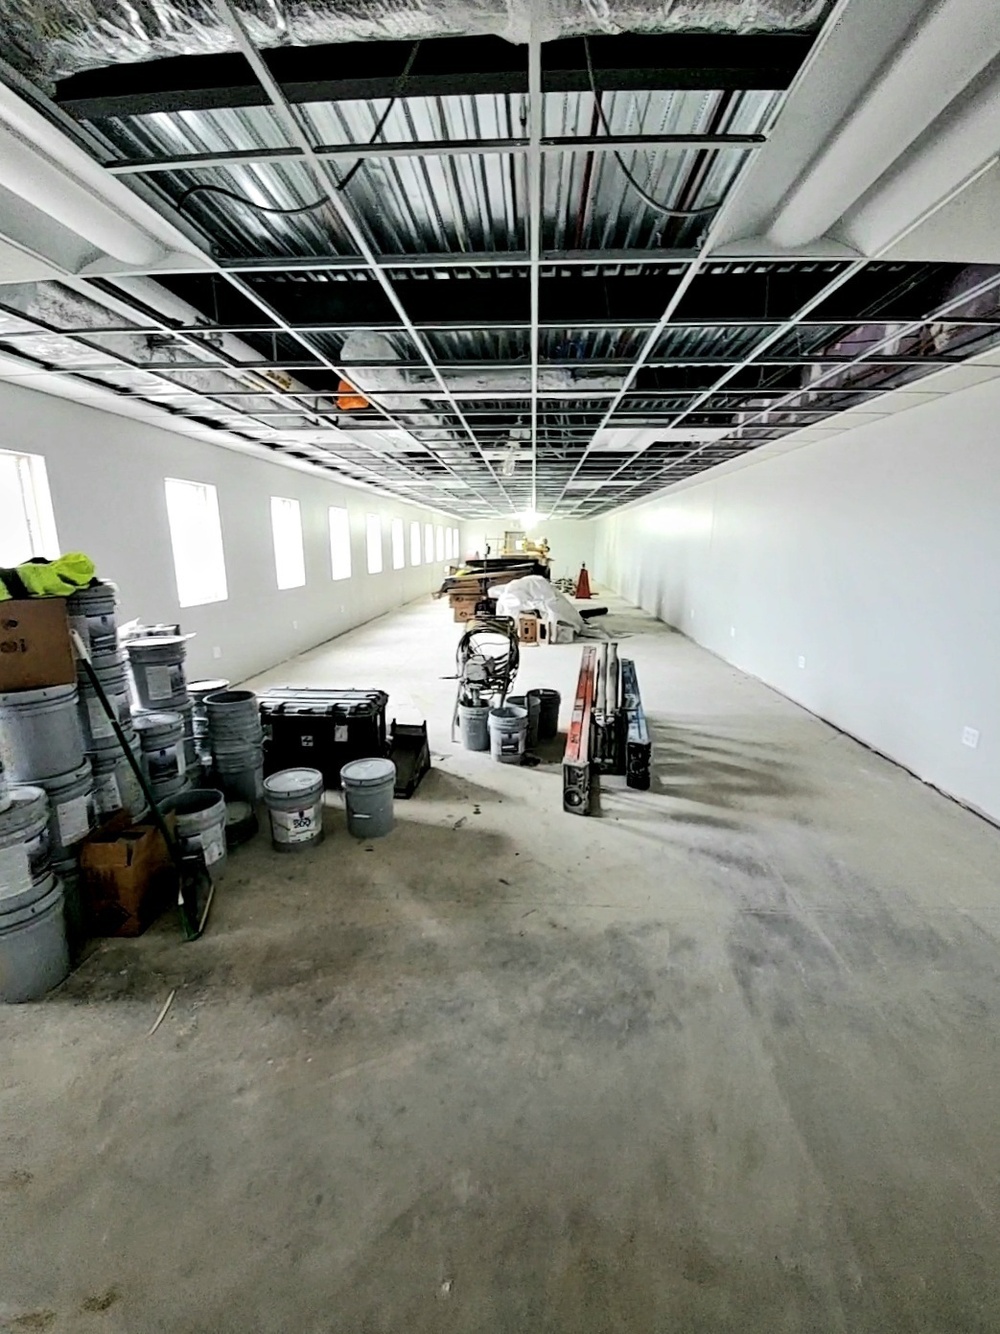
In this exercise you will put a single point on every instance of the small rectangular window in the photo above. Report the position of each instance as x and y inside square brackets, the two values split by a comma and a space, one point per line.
[340, 543]
[439, 544]
[27, 524]
[373, 536]
[428, 543]
[196, 539]
[414, 543]
[453, 542]
[289, 553]
[398, 544]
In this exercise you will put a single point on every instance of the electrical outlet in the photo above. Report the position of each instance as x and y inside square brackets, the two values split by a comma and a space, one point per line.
[216, 652]
[802, 661]
[295, 625]
[732, 632]
[970, 737]
[692, 613]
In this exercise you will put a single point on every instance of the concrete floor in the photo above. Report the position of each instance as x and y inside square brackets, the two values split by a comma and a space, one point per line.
[724, 1059]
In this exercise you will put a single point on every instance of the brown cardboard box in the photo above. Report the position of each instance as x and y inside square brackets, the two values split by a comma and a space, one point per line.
[527, 629]
[465, 611]
[128, 877]
[35, 647]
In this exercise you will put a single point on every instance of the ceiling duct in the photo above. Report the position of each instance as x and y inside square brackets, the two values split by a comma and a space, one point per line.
[946, 49]
[51, 39]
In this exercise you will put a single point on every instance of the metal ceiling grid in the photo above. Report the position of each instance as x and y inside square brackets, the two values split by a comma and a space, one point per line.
[548, 340]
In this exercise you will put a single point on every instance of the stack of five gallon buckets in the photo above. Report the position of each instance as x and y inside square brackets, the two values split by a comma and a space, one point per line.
[65, 770]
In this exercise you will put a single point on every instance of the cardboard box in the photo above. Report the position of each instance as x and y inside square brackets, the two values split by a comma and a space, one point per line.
[35, 647]
[127, 877]
[527, 629]
[465, 611]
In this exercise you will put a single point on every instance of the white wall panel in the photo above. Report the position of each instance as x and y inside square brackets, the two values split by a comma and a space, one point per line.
[873, 556]
[106, 477]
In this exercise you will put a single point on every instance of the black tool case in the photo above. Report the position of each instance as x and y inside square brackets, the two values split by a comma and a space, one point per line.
[315, 727]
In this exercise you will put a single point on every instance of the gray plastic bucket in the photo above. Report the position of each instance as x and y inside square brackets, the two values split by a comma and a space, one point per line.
[201, 826]
[199, 691]
[34, 955]
[68, 874]
[158, 671]
[161, 736]
[548, 712]
[72, 809]
[508, 733]
[233, 714]
[473, 726]
[116, 787]
[294, 801]
[110, 672]
[368, 787]
[239, 771]
[5, 797]
[40, 732]
[92, 613]
[25, 850]
[533, 707]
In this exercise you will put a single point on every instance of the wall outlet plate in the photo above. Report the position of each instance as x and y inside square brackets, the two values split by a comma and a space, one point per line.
[970, 737]
[732, 632]
[216, 652]
[295, 625]
[802, 662]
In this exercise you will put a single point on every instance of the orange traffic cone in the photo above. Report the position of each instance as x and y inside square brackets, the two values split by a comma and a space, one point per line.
[583, 583]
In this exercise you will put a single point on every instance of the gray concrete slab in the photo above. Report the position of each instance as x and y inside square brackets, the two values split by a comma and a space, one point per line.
[723, 1059]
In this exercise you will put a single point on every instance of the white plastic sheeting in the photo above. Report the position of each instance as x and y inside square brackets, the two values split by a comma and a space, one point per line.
[50, 39]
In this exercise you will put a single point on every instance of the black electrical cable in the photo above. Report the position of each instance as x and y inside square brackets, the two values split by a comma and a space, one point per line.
[640, 190]
[342, 184]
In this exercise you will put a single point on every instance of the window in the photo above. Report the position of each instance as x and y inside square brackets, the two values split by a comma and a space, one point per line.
[453, 542]
[340, 543]
[398, 545]
[414, 543]
[289, 555]
[196, 538]
[27, 525]
[439, 545]
[428, 543]
[373, 536]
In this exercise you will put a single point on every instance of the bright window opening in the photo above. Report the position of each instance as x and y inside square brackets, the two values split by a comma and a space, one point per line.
[398, 544]
[439, 543]
[340, 543]
[414, 543]
[289, 553]
[373, 537]
[27, 525]
[196, 539]
[428, 543]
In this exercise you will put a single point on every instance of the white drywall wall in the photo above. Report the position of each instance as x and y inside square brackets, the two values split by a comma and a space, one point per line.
[106, 477]
[873, 557]
[571, 541]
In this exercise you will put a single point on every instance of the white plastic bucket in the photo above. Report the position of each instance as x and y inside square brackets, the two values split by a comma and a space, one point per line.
[533, 707]
[72, 809]
[508, 733]
[473, 726]
[161, 737]
[201, 826]
[25, 849]
[34, 954]
[368, 788]
[40, 732]
[294, 801]
[110, 672]
[92, 614]
[158, 671]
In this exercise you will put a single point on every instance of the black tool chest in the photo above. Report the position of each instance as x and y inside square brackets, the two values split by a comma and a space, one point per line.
[314, 727]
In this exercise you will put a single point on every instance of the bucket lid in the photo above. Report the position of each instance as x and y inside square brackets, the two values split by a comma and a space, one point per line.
[12, 699]
[155, 644]
[68, 779]
[366, 773]
[28, 804]
[198, 688]
[36, 897]
[153, 722]
[293, 782]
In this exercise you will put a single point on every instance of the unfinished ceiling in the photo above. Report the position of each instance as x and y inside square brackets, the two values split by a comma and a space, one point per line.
[459, 268]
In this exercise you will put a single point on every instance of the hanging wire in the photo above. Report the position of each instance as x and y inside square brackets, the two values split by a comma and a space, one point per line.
[639, 189]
